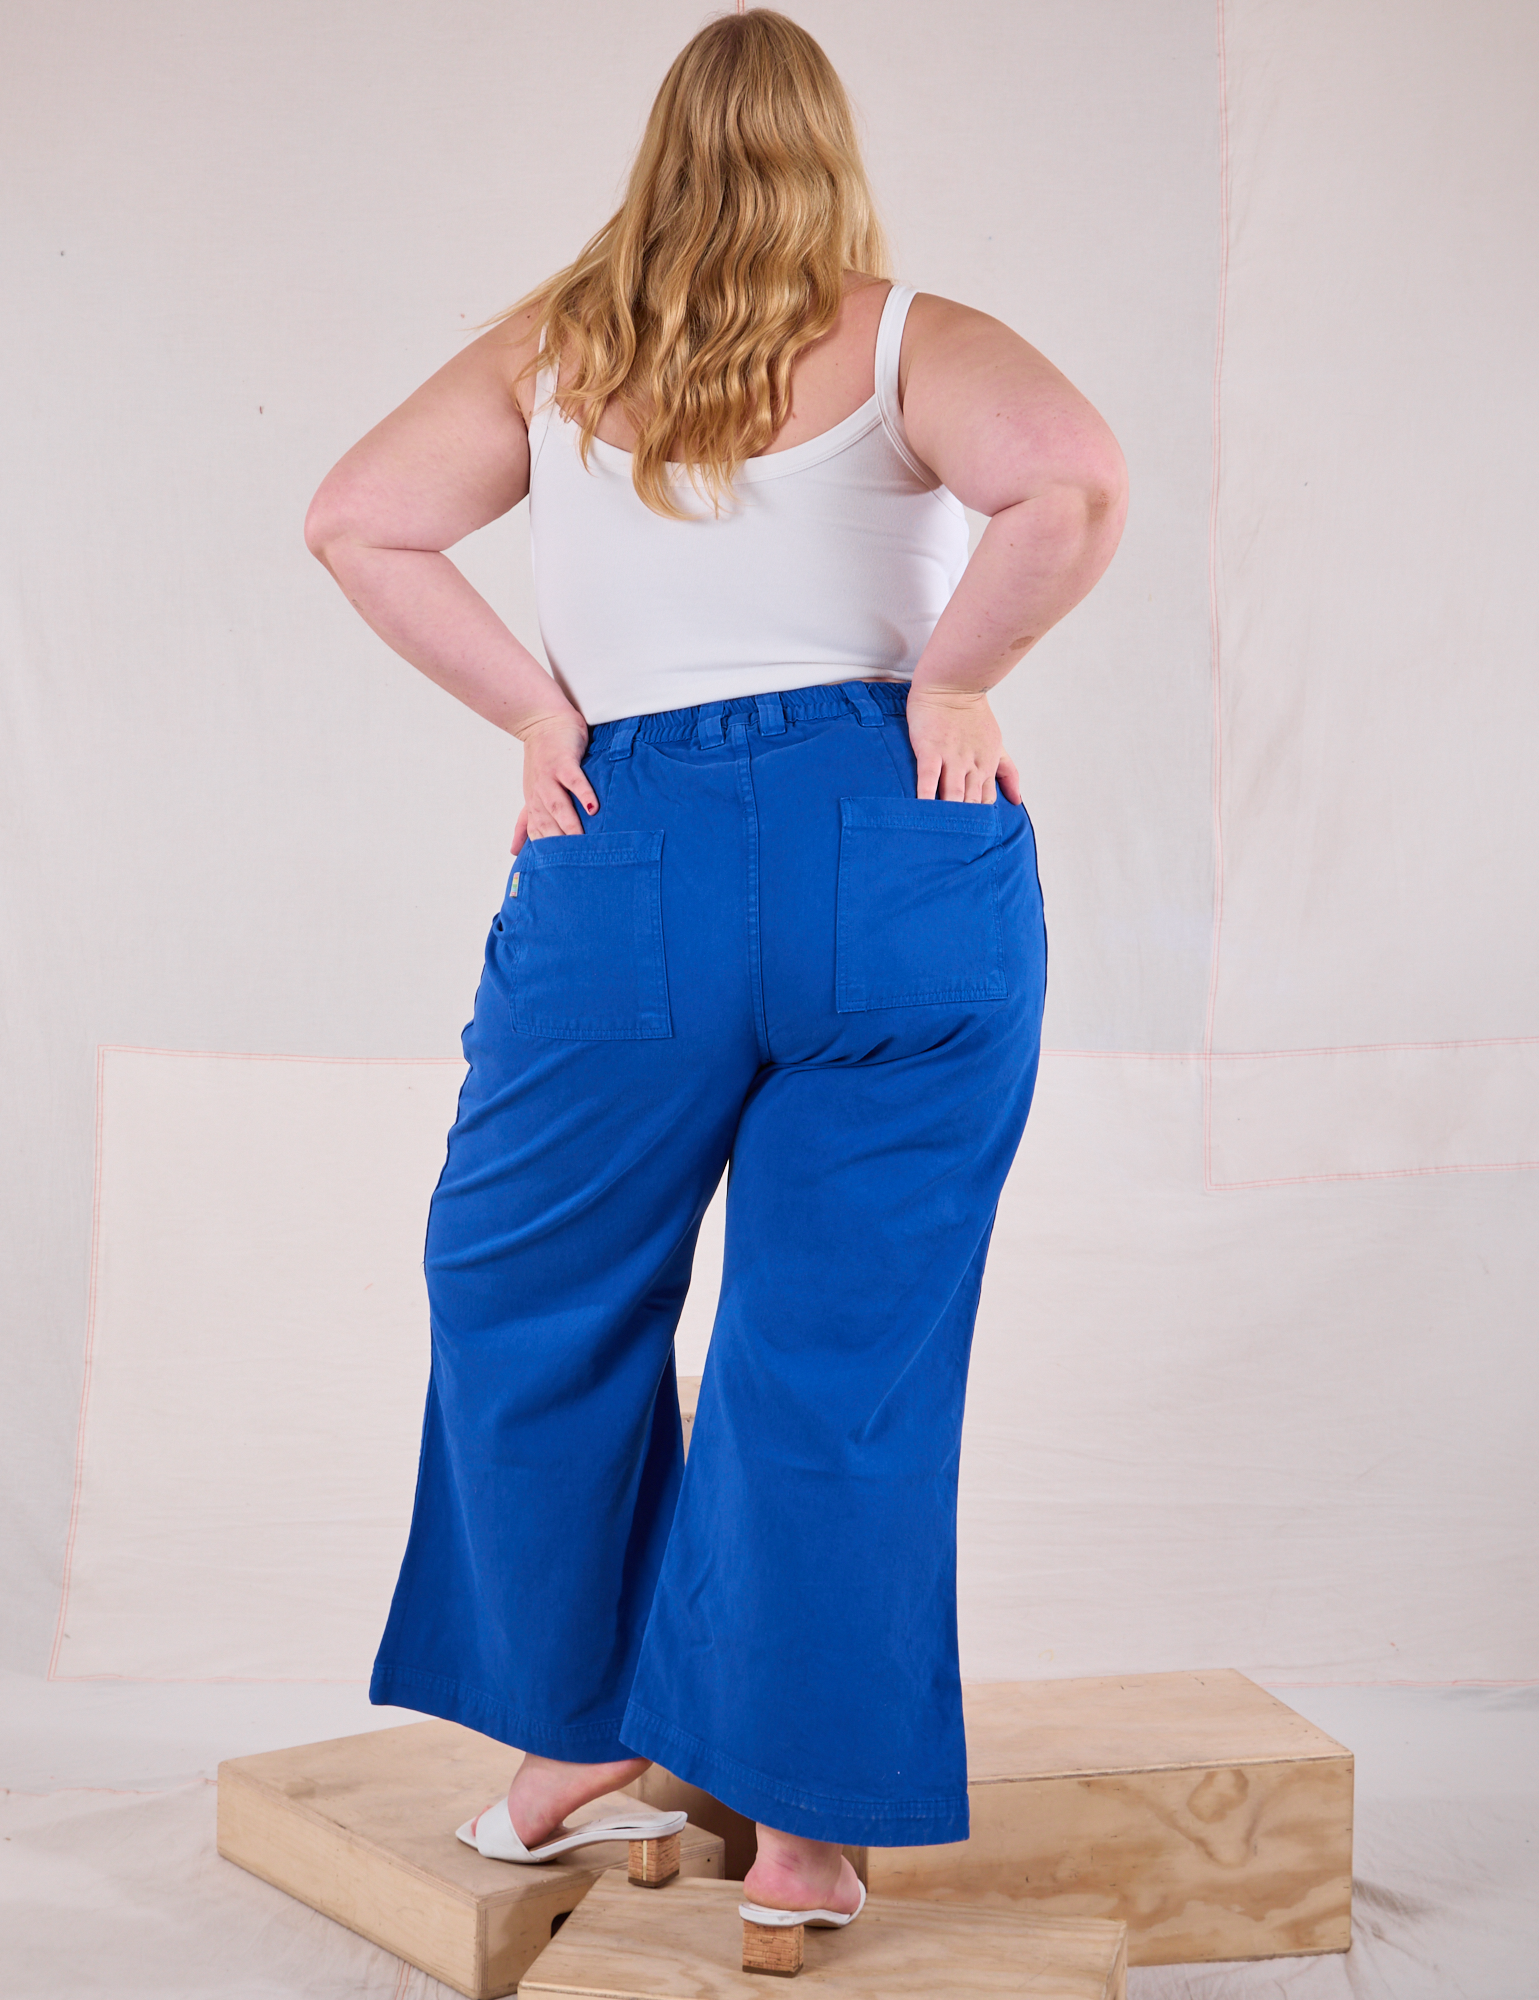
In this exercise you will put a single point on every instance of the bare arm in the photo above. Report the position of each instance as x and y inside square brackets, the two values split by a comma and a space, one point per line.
[1013, 439]
[993, 418]
[451, 458]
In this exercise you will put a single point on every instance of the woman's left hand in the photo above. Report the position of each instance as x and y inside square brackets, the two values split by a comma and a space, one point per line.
[958, 746]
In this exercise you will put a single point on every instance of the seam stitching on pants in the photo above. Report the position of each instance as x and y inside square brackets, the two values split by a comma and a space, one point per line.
[755, 947]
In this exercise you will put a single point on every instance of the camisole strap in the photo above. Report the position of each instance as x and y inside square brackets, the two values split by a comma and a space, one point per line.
[542, 412]
[889, 340]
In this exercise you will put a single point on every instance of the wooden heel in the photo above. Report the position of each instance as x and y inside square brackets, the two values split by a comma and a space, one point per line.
[654, 1862]
[773, 1948]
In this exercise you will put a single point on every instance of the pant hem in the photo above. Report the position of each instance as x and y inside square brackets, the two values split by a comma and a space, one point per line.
[396, 1686]
[841, 1817]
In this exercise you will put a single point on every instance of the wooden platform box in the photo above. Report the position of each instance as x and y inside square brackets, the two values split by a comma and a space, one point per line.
[686, 1943]
[1195, 1807]
[1211, 1818]
[362, 1829]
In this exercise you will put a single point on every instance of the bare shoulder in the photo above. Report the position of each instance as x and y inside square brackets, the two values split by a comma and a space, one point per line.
[450, 458]
[494, 370]
[951, 343]
[991, 414]
[517, 344]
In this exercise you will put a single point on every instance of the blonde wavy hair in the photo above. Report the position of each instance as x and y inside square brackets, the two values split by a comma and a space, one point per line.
[746, 203]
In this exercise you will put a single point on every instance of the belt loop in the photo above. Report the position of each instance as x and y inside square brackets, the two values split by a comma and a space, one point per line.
[858, 696]
[772, 714]
[711, 725]
[624, 736]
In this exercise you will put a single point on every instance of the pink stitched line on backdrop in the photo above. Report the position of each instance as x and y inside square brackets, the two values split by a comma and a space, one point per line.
[253, 1055]
[1285, 1055]
[1379, 1174]
[1213, 621]
[1208, 1057]
[218, 1680]
[85, 1376]
[109, 1791]
[1401, 1684]
[1096, 1055]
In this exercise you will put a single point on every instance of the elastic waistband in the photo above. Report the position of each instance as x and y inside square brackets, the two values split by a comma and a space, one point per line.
[710, 722]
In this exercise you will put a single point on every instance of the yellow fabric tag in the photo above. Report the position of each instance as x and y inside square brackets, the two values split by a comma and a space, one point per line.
[513, 885]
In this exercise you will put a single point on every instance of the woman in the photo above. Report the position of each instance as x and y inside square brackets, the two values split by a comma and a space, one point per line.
[773, 910]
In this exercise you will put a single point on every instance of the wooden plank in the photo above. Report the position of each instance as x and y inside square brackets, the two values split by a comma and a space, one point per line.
[1130, 1722]
[433, 1924]
[362, 1829]
[1196, 1807]
[686, 1944]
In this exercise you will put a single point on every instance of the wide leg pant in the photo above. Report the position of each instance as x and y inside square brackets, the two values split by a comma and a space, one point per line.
[765, 954]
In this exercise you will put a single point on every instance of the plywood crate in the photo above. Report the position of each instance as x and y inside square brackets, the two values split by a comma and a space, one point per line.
[1205, 1813]
[362, 1829]
[687, 1944]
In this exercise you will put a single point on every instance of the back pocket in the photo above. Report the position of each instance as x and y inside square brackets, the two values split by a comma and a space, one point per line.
[584, 914]
[918, 910]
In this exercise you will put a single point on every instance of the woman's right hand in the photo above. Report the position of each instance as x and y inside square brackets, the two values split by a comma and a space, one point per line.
[958, 749]
[554, 747]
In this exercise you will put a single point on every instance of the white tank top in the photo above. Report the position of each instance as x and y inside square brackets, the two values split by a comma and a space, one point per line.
[833, 564]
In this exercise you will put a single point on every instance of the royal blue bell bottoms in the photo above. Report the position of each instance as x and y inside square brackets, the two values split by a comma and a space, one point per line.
[763, 954]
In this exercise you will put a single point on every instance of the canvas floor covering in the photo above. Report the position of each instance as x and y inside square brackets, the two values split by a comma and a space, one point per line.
[110, 1883]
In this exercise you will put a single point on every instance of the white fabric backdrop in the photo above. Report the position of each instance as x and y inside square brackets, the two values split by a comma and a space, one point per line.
[1254, 1376]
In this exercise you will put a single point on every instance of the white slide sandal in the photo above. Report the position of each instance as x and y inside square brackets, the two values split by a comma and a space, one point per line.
[761, 1913]
[772, 1939]
[491, 1833]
